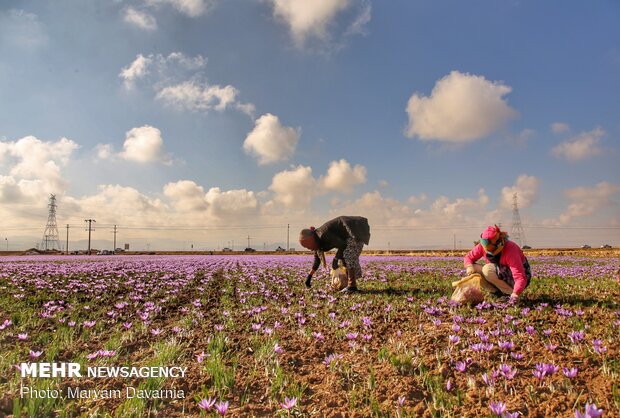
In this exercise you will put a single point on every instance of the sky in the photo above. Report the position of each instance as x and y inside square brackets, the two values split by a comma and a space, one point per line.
[203, 124]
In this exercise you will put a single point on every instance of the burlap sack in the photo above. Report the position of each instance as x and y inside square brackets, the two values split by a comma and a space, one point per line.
[471, 289]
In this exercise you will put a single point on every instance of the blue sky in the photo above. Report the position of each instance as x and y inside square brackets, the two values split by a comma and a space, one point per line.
[202, 122]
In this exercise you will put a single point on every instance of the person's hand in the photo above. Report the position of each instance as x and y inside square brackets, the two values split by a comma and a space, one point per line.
[470, 269]
[514, 298]
[309, 281]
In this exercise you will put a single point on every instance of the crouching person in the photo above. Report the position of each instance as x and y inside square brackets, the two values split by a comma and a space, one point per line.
[506, 266]
[347, 234]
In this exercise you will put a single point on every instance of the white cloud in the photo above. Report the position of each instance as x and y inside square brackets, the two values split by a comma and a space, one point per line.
[587, 200]
[341, 177]
[191, 8]
[114, 203]
[231, 204]
[139, 19]
[178, 81]
[581, 147]
[23, 30]
[216, 205]
[295, 188]
[460, 207]
[559, 127]
[378, 209]
[186, 195]
[37, 164]
[461, 108]
[526, 189]
[271, 141]
[136, 70]
[361, 21]
[104, 151]
[144, 145]
[192, 96]
[308, 18]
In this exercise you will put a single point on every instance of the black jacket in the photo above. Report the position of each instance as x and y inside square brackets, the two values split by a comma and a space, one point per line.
[335, 233]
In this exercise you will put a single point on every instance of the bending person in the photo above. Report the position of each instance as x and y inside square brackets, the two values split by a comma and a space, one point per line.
[506, 266]
[347, 234]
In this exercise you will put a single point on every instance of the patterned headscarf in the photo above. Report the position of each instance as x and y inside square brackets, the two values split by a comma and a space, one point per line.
[493, 233]
[308, 239]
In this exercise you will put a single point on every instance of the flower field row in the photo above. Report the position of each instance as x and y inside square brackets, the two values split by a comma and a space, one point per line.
[255, 342]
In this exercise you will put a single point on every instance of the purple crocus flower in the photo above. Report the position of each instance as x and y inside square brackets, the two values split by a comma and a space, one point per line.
[488, 380]
[498, 408]
[289, 404]
[35, 354]
[507, 371]
[449, 385]
[206, 404]
[551, 347]
[570, 373]
[591, 411]
[222, 407]
[577, 336]
[460, 366]
[506, 345]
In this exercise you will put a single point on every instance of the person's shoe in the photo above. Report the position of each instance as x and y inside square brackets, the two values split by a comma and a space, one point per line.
[349, 289]
[309, 282]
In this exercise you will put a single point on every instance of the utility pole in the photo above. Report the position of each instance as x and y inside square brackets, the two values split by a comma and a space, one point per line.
[67, 246]
[90, 229]
[248, 241]
[288, 229]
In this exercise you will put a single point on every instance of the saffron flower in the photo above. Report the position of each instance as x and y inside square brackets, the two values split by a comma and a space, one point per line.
[591, 411]
[277, 349]
[449, 385]
[488, 380]
[289, 404]
[497, 408]
[35, 354]
[22, 337]
[570, 373]
[506, 345]
[577, 336]
[222, 407]
[206, 404]
[507, 371]
[460, 366]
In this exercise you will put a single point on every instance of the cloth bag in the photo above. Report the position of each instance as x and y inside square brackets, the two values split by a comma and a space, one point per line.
[471, 289]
